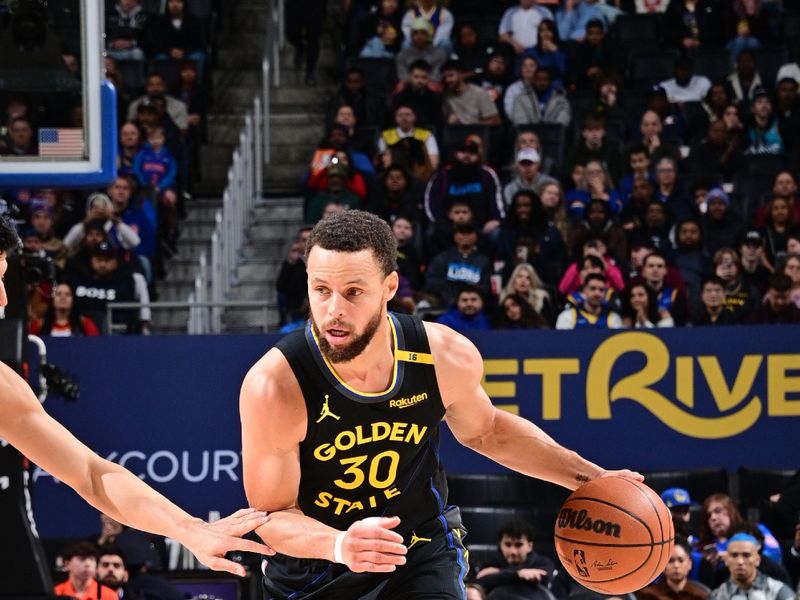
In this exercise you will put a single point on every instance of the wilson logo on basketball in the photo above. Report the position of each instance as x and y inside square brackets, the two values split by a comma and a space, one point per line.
[572, 519]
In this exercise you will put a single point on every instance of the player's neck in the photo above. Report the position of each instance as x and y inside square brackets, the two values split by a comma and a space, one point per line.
[372, 370]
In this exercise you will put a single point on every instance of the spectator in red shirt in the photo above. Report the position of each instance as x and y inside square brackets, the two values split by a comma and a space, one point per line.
[61, 319]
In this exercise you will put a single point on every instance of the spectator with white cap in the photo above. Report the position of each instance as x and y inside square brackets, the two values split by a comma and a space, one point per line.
[528, 175]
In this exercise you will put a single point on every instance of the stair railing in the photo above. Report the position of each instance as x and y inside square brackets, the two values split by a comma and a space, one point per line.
[245, 186]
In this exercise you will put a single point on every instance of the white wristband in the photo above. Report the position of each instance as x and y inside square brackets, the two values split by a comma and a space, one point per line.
[337, 548]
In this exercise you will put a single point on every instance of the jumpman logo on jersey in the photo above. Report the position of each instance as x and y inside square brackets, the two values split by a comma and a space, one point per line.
[416, 540]
[326, 412]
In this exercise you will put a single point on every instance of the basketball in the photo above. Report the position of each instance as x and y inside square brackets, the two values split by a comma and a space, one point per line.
[614, 535]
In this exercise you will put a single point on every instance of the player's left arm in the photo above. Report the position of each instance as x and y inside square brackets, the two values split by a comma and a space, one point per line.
[507, 439]
[112, 489]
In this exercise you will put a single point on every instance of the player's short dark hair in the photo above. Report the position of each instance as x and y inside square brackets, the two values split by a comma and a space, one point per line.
[516, 529]
[594, 277]
[9, 239]
[420, 65]
[110, 550]
[780, 282]
[353, 231]
[82, 549]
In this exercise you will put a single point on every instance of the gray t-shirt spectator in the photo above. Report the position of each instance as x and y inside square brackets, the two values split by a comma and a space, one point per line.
[431, 54]
[471, 107]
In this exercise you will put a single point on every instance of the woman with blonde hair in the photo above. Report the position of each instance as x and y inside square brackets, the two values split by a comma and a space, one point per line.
[526, 282]
[595, 184]
[553, 201]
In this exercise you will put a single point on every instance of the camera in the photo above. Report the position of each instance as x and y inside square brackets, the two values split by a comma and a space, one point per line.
[37, 267]
[59, 383]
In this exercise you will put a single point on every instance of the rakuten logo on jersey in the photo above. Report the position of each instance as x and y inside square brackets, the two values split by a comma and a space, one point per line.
[96, 293]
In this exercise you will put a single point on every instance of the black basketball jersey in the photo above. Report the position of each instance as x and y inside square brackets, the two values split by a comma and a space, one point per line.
[370, 454]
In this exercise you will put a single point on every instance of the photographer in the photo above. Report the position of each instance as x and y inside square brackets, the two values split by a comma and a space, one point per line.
[100, 207]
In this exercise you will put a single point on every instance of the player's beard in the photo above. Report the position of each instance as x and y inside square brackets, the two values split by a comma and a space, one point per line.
[356, 346]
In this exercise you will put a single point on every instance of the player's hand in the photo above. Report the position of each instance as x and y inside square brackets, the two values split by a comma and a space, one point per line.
[370, 546]
[209, 542]
[532, 575]
[487, 571]
[624, 473]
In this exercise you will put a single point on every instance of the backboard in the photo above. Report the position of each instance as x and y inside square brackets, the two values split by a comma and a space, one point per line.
[52, 76]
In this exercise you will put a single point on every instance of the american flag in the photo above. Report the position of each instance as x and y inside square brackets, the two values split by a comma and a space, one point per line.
[61, 142]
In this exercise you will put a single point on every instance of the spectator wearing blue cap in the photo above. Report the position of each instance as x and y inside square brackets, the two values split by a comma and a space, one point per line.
[679, 503]
[743, 559]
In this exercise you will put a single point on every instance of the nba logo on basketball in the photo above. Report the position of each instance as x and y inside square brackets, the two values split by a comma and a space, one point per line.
[614, 535]
[580, 562]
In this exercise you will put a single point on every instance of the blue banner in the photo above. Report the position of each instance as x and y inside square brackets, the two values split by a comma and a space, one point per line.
[167, 407]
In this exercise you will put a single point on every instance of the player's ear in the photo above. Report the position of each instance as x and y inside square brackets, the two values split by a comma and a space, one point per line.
[390, 285]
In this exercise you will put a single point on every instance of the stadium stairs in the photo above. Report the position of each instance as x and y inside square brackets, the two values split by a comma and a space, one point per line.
[297, 124]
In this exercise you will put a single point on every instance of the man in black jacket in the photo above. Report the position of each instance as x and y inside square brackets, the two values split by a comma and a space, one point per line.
[516, 570]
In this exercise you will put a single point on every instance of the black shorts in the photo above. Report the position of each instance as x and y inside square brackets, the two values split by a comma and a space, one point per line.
[435, 570]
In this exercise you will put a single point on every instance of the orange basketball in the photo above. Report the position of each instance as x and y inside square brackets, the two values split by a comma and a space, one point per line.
[614, 535]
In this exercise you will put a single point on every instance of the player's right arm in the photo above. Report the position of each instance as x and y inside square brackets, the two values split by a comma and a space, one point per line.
[109, 487]
[274, 422]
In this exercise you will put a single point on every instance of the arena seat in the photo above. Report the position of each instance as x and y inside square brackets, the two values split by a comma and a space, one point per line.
[753, 190]
[649, 67]
[484, 522]
[380, 74]
[769, 60]
[714, 64]
[554, 140]
[633, 32]
[504, 489]
[700, 483]
[757, 485]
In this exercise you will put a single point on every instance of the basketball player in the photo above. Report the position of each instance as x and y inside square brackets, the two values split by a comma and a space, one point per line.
[340, 434]
[108, 487]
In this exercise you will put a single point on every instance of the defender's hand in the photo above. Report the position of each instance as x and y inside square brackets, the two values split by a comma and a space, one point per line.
[209, 542]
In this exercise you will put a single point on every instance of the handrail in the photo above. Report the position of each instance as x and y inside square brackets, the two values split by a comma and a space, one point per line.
[192, 305]
[243, 189]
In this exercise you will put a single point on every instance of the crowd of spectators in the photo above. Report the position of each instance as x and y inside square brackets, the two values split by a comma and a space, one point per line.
[718, 555]
[112, 244]
[640, 158]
